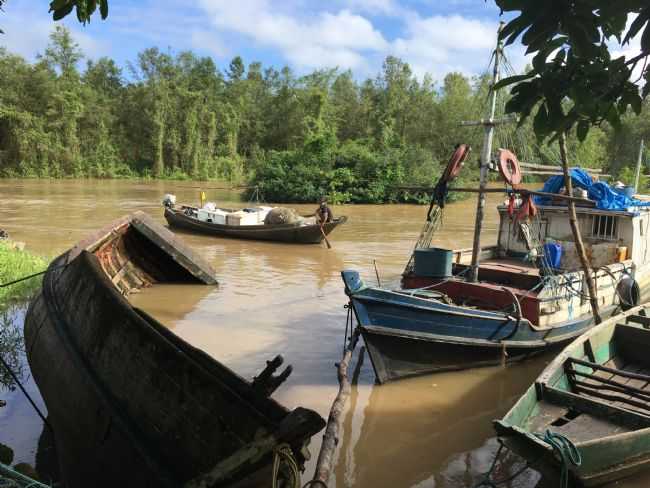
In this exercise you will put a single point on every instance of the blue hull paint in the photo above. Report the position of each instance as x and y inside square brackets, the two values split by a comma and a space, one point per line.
[407, 335]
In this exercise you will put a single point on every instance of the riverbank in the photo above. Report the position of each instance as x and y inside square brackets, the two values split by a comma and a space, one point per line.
[15, 263]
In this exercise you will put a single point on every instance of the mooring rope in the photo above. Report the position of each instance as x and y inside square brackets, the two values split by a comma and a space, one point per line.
[283, 453]
[565, 450]
[3, 285]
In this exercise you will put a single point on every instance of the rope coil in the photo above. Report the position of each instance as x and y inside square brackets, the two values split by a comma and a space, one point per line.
[283, 456]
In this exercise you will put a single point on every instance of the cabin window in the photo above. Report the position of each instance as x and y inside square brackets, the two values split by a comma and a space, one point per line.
[604, 227]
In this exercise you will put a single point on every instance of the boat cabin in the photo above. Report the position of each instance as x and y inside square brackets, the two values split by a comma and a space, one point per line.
[515, 275]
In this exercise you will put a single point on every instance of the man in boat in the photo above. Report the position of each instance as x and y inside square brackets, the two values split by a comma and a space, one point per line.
[323, 212]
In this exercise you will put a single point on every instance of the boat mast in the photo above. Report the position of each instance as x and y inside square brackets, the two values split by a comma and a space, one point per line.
[485, 159]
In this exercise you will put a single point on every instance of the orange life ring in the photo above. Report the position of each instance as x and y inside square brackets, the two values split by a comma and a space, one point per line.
[509, 167]
[456, 162]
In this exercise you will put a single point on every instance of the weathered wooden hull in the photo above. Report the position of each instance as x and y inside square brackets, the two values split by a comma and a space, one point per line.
[408, 336]
[130, 403]
[288, 233]
[396, 356]
[599, 412]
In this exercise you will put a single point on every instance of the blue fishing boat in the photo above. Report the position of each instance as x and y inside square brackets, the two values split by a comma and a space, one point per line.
[529, 294]
[534, 290]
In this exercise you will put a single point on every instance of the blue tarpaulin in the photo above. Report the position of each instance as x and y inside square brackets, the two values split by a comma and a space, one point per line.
[606, 197]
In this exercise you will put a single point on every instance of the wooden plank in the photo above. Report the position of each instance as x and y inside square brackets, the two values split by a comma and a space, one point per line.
[627, 418]
[639, 319]
[609, 370]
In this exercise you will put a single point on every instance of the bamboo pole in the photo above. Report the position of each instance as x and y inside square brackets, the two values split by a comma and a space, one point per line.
[638, 168]
[575, 229]
[331, 437]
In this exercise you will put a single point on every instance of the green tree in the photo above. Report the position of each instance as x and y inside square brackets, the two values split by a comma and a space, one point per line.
[63, 52]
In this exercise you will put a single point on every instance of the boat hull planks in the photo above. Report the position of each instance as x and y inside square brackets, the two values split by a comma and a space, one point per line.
[130, 403]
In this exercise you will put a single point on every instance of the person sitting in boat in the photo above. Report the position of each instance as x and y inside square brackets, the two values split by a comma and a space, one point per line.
[323, 212]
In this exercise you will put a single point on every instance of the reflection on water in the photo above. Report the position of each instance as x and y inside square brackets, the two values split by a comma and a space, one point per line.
[12, 350]
[20, 426]
[288, 299]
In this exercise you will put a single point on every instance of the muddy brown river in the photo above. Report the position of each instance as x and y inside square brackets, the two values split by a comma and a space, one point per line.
[431, 431]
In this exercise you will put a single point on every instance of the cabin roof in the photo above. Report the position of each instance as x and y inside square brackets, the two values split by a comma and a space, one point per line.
[630, 212]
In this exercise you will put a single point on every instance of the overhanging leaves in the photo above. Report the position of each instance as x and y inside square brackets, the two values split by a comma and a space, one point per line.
[84, 9]
[572, 63]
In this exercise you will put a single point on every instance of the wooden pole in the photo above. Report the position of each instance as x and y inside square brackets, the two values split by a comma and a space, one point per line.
[577, 236]
[638, 168]
[485, 160]
[329, 246]
[331, 437]
[523, 191]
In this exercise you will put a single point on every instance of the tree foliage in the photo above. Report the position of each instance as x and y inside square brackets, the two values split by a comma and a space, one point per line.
[576, 79]
[176, 115]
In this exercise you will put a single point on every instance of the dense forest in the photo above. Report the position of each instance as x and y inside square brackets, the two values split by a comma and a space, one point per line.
[176, 115]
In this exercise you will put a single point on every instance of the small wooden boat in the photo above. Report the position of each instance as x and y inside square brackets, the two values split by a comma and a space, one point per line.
[129, 402]
[595, 394]
[307, 232]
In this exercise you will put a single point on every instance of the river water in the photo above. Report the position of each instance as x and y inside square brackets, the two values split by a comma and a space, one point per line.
[287, 299]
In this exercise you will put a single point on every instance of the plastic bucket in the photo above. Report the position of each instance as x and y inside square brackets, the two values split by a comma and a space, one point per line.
[433, 262]
[553, 254]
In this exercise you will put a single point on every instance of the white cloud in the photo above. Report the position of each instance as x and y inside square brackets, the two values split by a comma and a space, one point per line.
[27, 31]
[440, 44]
[318, 40]
[383, 7]
[208, 41]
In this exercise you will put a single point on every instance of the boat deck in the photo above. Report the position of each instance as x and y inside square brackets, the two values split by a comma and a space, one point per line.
[510, 265]
[577, 426]
[628, 389]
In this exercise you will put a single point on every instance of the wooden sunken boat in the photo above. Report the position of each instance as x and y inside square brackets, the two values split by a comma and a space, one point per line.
[298, 233]
[595, 394]
[129, 402]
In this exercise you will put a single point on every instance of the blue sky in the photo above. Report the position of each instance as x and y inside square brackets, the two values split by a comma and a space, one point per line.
[433, 36]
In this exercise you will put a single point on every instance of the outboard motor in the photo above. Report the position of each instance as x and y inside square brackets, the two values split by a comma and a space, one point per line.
[169, 200]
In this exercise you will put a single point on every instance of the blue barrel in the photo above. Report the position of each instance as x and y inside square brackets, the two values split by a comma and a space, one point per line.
[553, 254]
[433, 262]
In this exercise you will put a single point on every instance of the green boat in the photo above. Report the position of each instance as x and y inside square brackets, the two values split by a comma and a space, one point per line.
[591, 405]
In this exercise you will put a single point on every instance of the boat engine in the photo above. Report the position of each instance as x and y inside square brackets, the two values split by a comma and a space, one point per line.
[169, 200]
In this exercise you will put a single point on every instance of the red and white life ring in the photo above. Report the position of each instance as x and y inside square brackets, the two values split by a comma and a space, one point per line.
[456, 162]
[509, 167]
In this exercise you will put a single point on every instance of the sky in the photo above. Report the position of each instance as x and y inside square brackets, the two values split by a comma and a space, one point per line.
[433, 36]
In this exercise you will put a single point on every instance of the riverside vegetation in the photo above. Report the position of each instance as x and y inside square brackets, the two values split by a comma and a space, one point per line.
[15, 263]
[176, 115]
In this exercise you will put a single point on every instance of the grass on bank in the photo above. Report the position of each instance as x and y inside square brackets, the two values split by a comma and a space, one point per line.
[14, 264]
